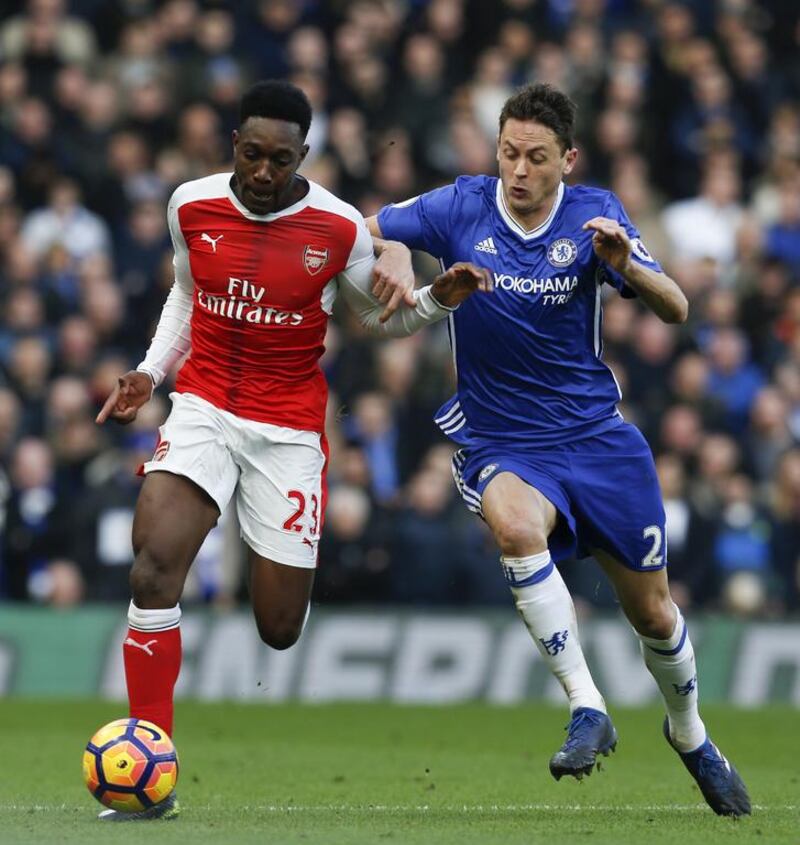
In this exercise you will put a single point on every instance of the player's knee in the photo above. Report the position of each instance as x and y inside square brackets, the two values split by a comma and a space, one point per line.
[654, 617]
[152, 581]
[517, 538]
[280, 638]
[280, 634]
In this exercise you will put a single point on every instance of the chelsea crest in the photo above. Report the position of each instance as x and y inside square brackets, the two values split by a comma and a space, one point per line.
[562, 253]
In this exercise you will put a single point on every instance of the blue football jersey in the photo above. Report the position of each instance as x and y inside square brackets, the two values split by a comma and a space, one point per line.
[528, 357]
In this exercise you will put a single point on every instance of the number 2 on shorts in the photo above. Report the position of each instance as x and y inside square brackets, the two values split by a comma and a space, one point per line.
[653, 558]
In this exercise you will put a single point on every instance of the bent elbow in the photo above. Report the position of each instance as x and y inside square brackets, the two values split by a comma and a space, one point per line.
[676, 312]
[681, 311]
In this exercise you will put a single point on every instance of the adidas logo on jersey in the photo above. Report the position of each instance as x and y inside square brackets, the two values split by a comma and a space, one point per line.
[486, 245]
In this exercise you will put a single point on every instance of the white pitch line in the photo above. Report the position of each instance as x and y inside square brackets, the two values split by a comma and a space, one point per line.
[428, 808]
[493, 808]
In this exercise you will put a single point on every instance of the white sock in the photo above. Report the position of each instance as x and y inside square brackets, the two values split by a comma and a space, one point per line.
[671, 663]
[546, 607]
[154, 620]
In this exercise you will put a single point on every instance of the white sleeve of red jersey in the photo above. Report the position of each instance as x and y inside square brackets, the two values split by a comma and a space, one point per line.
[172, 339]
[355, 284]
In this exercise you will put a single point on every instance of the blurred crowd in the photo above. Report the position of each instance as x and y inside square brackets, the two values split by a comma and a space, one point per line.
[689, 111]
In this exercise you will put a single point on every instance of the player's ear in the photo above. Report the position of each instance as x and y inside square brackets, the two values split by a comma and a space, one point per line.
[569, 160]
[235, 138]
[303, 153]
[497, 150]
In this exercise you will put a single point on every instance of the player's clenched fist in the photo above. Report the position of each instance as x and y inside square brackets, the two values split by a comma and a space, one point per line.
[132, 391]
[453, 286]
[610, 242]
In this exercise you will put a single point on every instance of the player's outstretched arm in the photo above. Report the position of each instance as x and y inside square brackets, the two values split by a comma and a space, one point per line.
[657, 290]
[170, 343]
[453, 286]
[133, 390]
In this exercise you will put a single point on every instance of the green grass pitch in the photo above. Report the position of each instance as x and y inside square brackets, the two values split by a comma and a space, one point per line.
[374, 773]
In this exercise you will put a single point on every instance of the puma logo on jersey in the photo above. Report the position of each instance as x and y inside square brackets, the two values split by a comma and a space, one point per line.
[213, 241]
[145, 647]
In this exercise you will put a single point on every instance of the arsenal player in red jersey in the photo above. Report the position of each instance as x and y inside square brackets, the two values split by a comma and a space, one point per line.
[260, 256]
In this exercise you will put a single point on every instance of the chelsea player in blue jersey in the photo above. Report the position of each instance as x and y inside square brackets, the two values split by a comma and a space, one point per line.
[546, 458]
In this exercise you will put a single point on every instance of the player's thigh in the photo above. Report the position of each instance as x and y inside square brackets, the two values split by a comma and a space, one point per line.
[518, 513]
[195, 443]
[188, 483]
[617, 499]
[643, 594]
[281, 492]
[280, 595]
[172, 518]
[279, 502]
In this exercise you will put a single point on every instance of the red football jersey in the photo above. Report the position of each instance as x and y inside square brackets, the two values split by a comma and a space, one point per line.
[264, 287]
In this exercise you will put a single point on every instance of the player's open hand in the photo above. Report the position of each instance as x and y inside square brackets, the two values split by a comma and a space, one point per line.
[459, 282]
[393, 278]
[611, 242]
[132, 391]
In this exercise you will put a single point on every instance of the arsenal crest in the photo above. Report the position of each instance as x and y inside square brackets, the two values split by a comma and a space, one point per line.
[315, 258]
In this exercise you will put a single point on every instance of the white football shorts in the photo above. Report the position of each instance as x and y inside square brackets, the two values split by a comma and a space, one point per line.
[276, 473]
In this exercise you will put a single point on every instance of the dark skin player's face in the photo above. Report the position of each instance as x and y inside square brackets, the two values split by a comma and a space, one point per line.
[266, 155]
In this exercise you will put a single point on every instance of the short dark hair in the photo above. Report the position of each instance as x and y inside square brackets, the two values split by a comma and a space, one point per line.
[279, 100]
[546, 105]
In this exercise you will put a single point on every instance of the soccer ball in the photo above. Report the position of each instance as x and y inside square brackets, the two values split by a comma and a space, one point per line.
[130, 765]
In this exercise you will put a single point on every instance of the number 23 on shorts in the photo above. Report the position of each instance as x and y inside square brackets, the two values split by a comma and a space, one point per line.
[294, 522]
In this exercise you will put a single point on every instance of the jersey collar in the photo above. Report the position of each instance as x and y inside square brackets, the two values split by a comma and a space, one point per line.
[525, 234]
[276, 215]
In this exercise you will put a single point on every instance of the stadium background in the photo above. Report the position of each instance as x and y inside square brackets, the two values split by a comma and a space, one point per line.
[689, 111]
